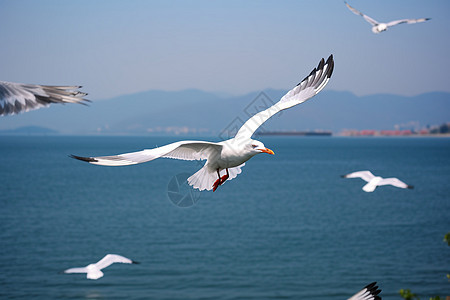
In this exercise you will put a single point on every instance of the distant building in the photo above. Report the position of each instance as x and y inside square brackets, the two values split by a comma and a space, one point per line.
[395, 132]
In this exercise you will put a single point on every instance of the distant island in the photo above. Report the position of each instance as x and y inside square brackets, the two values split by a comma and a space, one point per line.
[296, 133]
[29, 130]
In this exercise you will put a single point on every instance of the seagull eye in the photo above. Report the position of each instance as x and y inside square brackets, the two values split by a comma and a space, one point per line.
[254, 146]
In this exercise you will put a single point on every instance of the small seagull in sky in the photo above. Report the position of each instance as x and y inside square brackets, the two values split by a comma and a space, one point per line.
[374, 181]
[378, 27]
[94, 270]
[227, 156]
[18, 97]
[369, 292]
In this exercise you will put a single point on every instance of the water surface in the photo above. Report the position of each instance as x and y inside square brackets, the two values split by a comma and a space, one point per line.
[288, 227]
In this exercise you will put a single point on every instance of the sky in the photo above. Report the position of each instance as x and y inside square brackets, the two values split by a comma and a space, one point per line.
[115, 48]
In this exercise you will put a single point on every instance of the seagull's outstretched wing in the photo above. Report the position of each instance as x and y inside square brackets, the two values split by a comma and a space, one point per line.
[184, 150]
[76, 270]
[369, 292]
[365, 175]
[407, 21]
[367, 18]
[305, 90]
[395, 182]
[109, 259]
[17, 97]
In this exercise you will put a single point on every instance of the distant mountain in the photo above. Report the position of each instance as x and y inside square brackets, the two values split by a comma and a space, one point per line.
[29, 130]
[196, 112]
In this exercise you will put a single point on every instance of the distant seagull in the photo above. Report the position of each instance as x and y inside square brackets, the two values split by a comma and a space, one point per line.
[378, 27]
[229, 155]
[374, 181]
[18, 97]
[369, 292]
[94, 270]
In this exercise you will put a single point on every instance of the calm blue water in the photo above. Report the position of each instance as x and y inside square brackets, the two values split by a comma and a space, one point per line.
[287, 228]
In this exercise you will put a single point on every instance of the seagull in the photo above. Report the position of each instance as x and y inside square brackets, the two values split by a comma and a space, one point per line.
[19, 97]
[378, 27]
[374, 181]
[228, 156]
[94, 270]
[369, 292]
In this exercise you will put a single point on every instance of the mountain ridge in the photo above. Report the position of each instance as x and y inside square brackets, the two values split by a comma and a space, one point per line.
[198, 112]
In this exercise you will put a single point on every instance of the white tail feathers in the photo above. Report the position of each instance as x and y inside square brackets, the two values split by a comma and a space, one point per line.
[369, 187]
[204, 178]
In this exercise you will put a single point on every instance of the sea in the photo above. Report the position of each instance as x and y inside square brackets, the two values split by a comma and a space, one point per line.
[288, 227]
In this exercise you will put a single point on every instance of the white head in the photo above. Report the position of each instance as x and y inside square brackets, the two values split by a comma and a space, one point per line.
[256, 147]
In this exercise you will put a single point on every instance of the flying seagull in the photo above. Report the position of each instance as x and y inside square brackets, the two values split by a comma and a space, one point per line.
[94, 270]
[227, 156]
[378, 27]
[374, 181]
[369, 292]
[18, 97]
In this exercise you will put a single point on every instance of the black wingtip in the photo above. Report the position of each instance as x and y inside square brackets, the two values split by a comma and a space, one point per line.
[330, 62]
[86, 159]
[320, 66]
[135, 262]
[343, 176]
[410, 187]
[374, 290]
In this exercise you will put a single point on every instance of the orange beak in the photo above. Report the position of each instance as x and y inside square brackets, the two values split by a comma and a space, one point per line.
[267, 150]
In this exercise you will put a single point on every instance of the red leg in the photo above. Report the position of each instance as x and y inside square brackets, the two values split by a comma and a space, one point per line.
[224, 177]
[217, 183]
[221, 180]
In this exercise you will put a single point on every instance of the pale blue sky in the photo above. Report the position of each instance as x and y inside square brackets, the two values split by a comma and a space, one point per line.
[119, 47]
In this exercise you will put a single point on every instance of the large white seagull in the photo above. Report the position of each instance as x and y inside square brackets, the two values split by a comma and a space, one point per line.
[227, 157]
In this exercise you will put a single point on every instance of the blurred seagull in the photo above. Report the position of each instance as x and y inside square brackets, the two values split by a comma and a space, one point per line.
[94, 270]
[374, 181]
[230, 155]
[378, 27]
[18, 97]
[369, 292]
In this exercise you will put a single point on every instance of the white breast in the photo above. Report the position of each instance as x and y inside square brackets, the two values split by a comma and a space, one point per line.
[232, 155]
